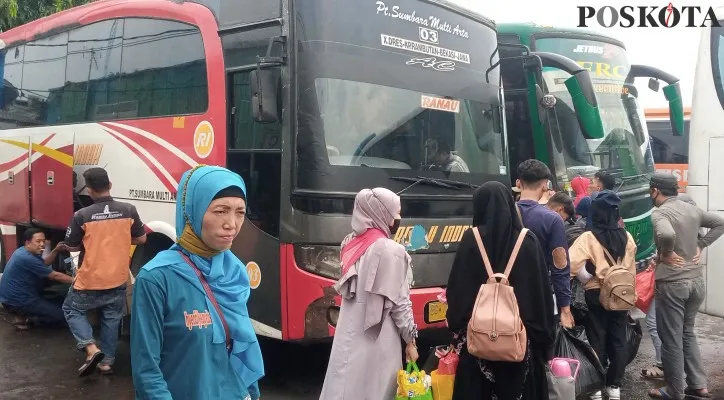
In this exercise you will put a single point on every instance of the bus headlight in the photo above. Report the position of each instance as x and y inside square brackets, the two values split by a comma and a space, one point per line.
[319, 260]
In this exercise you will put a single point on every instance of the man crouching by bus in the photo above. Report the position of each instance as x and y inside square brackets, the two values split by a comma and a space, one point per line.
[104, 233]
[23, 280]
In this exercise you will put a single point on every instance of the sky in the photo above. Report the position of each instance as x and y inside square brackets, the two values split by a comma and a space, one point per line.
[673, 50]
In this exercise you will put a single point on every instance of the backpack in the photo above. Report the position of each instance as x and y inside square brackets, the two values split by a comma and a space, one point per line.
[618, 287]
[495, 331]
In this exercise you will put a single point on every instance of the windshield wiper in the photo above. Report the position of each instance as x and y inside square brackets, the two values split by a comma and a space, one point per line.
[446, 183]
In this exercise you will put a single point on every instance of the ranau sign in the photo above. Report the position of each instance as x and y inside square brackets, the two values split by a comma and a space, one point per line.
[648, 16]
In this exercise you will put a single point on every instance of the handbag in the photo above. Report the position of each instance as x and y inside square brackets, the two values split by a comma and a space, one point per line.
[413, 384]
[211, 297]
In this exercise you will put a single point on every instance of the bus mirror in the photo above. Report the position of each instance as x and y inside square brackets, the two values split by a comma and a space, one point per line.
[264, 89]
[584, 102]
[672, 93]
[654, 84]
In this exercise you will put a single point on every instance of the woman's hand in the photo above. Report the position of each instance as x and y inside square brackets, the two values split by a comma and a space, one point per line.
[411, 352]
[697, 257]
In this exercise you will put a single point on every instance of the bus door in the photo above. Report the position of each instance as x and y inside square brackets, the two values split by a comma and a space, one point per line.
[14, 179]
[51, 180]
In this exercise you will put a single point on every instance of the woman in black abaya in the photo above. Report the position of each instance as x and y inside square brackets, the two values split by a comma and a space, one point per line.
[496, 219]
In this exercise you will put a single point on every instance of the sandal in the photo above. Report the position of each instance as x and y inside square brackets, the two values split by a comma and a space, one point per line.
[697, 394]
[654, 372]
[660, 393]
[90, 364]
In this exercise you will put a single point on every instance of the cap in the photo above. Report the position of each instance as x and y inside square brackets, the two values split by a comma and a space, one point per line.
[663, 180]
[606, 197]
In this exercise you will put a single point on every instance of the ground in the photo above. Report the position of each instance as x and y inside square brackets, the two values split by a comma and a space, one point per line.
[42, 364]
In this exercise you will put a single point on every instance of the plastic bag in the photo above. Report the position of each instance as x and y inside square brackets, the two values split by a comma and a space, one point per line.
[562, 384]
[443, 359]
[633, 339]
[645, 286]
[442, 386]
[413, 384]
[571, 343]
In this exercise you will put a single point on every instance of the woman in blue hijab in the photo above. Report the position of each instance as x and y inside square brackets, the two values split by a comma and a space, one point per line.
[187, 343]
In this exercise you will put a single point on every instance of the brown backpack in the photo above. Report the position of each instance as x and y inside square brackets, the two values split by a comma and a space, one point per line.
[618, 287]
[495, 331]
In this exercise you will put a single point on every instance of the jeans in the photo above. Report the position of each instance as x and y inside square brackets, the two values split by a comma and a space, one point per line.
[46, 312]
[109, 304]
[677, 304]
[606, 331]
[653, 332]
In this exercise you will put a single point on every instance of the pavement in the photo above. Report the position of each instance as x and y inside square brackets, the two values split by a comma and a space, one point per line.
[42, 364]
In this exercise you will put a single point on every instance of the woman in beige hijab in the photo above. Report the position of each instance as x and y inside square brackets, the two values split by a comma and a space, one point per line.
[376, 309]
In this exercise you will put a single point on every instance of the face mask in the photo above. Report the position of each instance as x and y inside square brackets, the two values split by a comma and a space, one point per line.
[394, 227]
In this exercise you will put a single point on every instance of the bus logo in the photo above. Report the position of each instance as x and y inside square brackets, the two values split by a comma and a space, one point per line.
[204, 139]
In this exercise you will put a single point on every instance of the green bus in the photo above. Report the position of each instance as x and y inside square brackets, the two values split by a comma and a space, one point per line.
[551, 131]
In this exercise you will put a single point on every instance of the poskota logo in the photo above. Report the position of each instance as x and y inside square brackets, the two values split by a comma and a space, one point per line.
[648, 16]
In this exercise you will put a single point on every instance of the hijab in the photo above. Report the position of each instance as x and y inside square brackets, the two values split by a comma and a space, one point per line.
[494, 215]
[605, 223]
[224, 272]
[373, 214]
[580, 185]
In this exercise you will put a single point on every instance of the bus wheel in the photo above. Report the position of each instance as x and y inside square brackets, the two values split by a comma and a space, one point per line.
[155, 243]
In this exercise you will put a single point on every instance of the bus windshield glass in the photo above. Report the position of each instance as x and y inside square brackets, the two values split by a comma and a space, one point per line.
[395, 89]
[624, 151]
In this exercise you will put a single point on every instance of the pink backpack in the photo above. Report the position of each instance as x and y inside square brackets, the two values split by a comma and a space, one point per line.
[495, 331]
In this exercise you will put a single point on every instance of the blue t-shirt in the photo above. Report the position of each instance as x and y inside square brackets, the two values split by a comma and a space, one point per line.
[551, 232]
[172, 353]
[22, 282]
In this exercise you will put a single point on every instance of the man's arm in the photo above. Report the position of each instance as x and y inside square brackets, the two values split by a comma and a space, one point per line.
[715, 224]
[665, 233]
[60, 277]
[138, 231]
[50, 258]
[74, 234]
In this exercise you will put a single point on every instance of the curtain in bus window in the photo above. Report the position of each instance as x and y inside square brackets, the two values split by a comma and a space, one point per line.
[163, 71]
[44, 77]
[94, 63]
[11, 106]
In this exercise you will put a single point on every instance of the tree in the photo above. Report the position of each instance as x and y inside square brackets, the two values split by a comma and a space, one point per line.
[18, 12]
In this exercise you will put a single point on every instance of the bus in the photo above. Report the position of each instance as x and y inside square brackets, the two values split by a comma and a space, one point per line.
[309, 101]
[706, 146]
[622, 150]
[671, 152]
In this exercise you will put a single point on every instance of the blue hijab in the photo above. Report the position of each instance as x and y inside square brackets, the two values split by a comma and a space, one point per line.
[225, 273]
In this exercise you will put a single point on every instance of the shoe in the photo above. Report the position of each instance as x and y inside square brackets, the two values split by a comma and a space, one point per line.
[614, 393]
[596, 396]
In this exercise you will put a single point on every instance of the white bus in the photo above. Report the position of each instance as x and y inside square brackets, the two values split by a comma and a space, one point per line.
[706, 147]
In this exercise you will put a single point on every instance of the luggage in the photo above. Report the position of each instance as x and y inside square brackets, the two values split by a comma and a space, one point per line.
[495, 331]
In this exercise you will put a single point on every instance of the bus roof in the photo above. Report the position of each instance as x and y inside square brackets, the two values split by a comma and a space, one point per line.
[663, 113]
[89, 13]
[530, 30]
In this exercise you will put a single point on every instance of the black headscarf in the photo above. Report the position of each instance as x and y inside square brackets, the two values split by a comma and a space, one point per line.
[495, 216]
[604, 221]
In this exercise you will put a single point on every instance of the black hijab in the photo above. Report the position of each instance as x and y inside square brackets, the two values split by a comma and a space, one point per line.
[494, 215]
[604, 221]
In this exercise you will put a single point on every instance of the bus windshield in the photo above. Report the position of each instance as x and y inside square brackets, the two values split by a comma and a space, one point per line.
[402, 89]
[624, 151]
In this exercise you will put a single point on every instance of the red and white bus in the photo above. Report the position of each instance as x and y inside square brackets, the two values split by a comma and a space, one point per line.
[309, 100]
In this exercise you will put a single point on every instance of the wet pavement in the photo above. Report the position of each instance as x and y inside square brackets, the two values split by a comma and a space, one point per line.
[41, 364]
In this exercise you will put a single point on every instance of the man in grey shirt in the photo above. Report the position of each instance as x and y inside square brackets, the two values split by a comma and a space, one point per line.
[680, 287]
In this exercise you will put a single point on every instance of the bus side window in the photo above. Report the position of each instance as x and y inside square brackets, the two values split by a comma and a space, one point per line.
[254, 152]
